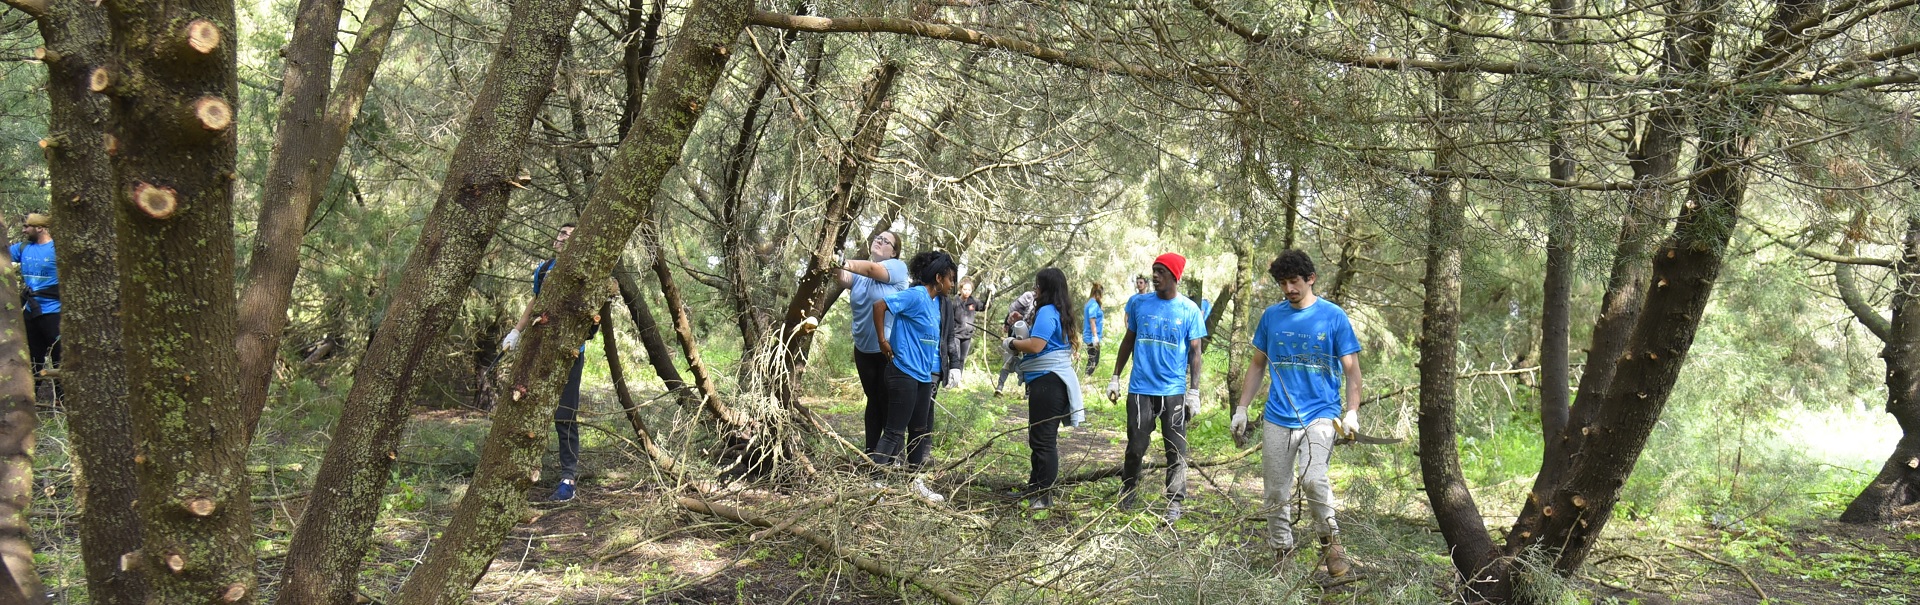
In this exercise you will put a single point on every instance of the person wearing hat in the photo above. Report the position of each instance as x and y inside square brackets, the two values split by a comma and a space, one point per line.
[41, 299]
[1165, 329]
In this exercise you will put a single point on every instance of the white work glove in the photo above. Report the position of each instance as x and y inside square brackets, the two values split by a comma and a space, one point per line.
[513, 338]
[953, 377]
[1007, 343]
[1113, 389]
[1193, 402]
[1021, 329]
[839, 261]
[1239, 424]
[1350, 424]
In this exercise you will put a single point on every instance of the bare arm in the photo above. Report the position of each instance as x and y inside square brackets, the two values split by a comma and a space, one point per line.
[1256, 373]
[1350, 367]
[870, 269]
[1029, 345]
[1194, 358]
[880, 326]
[1126, 353]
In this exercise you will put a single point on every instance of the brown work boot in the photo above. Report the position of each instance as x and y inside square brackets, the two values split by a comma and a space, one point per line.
[1335, 556]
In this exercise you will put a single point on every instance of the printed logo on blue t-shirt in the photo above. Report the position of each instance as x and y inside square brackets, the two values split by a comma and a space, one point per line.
[1162, 330]
[1303, 348]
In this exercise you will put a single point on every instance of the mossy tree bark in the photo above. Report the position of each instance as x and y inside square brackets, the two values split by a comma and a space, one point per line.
[171, 84]
[323, 558]
[1556, 307]
[312, 123]
[658, 355]
[95, 384]
[564, 312]
[1895, 491]
[21, 582]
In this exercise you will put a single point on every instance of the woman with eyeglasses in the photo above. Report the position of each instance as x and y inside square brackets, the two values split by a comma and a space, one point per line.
[868, 281]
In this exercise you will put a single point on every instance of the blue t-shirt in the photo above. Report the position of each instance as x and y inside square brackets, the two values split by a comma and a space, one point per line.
[1303, 348]
[1046, 326]
[865, 290]
[36, 265]
[1161, 331]
[913, 329]
[1206, 309]
[1090, 331]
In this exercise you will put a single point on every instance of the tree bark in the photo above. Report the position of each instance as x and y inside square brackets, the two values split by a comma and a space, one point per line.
[323, 558]
[643, 26]
[703, 384]
[172, 87]
[21, 582]
[94, 382]
[657, 352]
[616, 372]
[1689, 50]
[1473, 553]
[1895, 492]
[1556, 307]
[312, 124]
[621, 203]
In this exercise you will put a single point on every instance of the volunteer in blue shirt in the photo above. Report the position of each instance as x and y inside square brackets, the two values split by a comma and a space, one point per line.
[566, 415]
[1165, 328]
[911, 320]
[1308, 348]
[1096, 322]
[868, 281]
[40, 300]
[1053, 390]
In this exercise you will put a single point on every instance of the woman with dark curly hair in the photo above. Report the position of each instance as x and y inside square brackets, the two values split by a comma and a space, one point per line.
[911, 320]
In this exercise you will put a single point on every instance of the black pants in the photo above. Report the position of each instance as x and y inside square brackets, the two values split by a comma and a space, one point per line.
[566, 421]
[909, 421]
[958, 356]
[1171, 413]
[872, 368]
[43, 341]
[1093, 357]
[1047, 407]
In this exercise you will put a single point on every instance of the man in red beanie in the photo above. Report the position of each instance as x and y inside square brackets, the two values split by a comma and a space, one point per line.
[1166, 329]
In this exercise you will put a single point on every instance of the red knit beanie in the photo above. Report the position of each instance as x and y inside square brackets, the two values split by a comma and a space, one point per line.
[1174, 263]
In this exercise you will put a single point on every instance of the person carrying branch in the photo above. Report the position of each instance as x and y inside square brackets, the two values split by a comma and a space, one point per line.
[911, 320]
[868, 281]
[1053, 390]
[1308, 348]
[1165, 328]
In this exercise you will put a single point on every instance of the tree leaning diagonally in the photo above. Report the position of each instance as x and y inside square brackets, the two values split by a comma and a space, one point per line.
[573, 291]
[323, 559]
[171, 81]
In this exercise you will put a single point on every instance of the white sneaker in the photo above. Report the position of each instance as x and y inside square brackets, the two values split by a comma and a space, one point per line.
[920, 489]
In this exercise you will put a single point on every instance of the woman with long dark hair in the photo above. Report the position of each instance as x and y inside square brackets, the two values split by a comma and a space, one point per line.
[911, 321]
[1053, 390]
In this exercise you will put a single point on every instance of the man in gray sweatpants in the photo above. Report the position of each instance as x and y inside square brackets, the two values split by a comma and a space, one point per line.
[1308, 348]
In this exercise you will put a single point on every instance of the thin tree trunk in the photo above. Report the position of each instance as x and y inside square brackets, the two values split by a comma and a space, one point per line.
[819, 282]
[657, 352]
[621, 202]
[94, 381]
[20, 583]
[172, 82]
[1895, 492]
[1473, 553]
[313, 121]
[734, 249]
[616, 372]
[1689, 49]
[1556, 307]
[1244, 306]
[323, 558]
[643, 26]
[703, 383]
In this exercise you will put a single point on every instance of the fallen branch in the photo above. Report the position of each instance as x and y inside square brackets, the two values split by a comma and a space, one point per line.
[865, 564]
[1704, 555]
[1115, 470]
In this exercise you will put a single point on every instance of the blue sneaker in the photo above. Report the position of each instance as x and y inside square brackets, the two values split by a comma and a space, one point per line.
[562, 492]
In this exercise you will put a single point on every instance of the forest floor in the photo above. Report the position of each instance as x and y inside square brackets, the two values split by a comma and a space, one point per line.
[626, 539]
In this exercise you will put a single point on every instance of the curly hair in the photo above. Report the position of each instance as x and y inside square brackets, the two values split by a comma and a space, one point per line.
[1290, 264]
[927, 267]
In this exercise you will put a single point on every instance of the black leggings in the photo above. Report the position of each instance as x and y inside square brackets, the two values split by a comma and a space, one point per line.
[873, 381]
[909, 420]
[1047, 407]
[566, 420]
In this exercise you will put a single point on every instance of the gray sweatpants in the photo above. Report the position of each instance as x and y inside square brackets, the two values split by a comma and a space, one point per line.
[1303, 453]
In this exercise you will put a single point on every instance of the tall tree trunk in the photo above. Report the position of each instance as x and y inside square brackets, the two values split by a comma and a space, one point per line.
[616, 372]
[1556, 307]
[621, 203]
[1473, 553]
[171, 83]
[21, 582]
[643, 28]
[819, 282]
[1244, 307]
[1895, 492]
[95, 386]
[1689, 49]
[734, 227]
[323, 558]
[703, 383]
[312, 124]
[657, 352]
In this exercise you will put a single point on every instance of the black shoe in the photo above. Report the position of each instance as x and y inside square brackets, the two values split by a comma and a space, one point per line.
[1043, 501]
[1128, 502]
